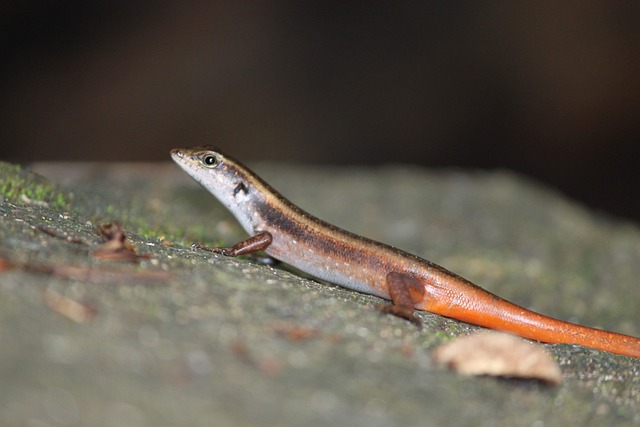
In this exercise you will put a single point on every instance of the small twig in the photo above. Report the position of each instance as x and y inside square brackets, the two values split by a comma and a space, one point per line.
[48, 231]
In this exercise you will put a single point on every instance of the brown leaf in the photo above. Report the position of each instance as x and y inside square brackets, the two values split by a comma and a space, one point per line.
[69, 308]
[116, 248]
[293, 332]
[498, 354]
[112, 231]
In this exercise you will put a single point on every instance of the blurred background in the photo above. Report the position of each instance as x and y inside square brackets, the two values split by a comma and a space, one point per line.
[549, 89]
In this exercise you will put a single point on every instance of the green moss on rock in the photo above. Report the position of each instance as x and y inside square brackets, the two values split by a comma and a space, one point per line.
[22, 186]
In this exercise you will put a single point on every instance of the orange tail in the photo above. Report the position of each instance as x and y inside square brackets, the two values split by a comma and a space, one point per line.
[479, 307]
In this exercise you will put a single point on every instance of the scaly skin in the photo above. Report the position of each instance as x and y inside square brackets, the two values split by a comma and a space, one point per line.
[291, 235]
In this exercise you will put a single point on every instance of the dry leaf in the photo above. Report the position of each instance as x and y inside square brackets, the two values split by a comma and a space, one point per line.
[294, 332]
[498, 354]
[69, 308]
[116, 248]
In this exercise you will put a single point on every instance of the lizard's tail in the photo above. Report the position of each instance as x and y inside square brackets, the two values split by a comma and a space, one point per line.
[482, 308]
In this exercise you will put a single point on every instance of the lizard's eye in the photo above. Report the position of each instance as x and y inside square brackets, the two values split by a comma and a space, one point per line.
[210, 161]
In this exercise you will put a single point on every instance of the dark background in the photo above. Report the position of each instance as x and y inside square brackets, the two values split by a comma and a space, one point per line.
[550, 89]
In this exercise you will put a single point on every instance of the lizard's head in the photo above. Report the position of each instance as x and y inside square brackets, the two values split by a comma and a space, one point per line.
[233, 184]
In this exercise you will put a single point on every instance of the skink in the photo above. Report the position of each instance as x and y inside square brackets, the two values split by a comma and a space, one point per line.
[287, 233]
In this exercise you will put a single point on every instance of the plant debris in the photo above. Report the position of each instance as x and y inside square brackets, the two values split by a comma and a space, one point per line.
[294, 332]
[116, 247]
[53, 233]
[498, 354]
[89, 274]
[69, 308]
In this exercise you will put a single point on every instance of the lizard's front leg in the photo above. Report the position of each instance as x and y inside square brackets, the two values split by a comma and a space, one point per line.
[253, 244]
